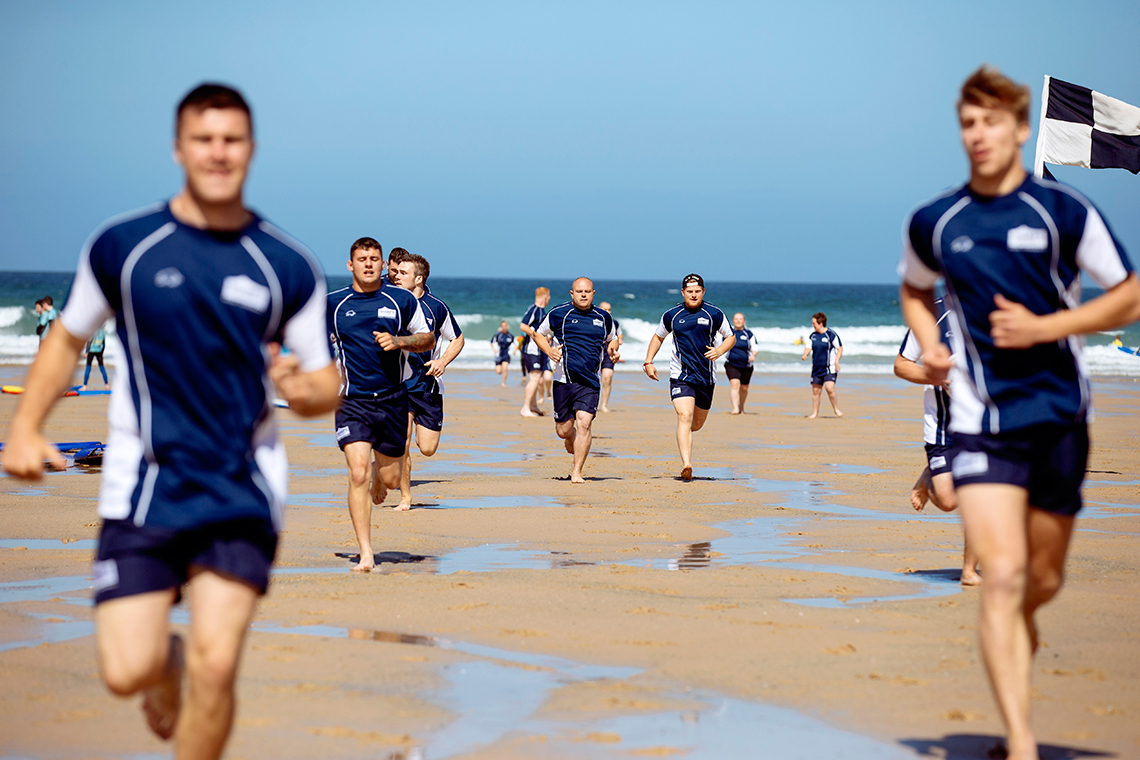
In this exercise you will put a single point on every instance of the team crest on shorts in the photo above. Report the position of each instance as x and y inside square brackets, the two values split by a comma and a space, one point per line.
[674, 392]
[105, 573]
[971, 463]
[342, 432]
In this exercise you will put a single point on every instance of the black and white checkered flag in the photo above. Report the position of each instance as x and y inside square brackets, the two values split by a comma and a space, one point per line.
[1081, 127]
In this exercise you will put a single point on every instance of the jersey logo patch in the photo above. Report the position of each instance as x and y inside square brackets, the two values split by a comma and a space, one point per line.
[1025, 238]
[244, 292]
[598, 323]
[168, 278]
[350, 313]
[970, 463]
[702, 321]
[384, 311]
[961, 244]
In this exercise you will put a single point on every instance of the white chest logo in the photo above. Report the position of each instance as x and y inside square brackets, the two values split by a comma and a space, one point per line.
[702, 321]
[1026, 238]
[168, 278]
[961, 244]
[241, 291]
[599, 323]
[385, 312]
[350, 313]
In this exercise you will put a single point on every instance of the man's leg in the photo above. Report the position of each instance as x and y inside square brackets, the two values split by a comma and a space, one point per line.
[583, 437]
[921, 490]
[686, 407]
[607, 385]
[547, 385]
[996, 517]
[829, 386]
[743, 396]
[816, 390]
[405, 502]
[1049, 537]
[358, 454]
[389, 471]
[220, 611]
[427, 440]
[102, 369]
[734, 396]
[137, 652]
[530, 407]
[942, 495]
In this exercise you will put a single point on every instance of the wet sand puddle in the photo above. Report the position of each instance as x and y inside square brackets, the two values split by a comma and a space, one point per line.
[499, 695]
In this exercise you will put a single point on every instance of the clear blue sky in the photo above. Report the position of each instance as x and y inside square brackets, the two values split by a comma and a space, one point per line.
[749, 141]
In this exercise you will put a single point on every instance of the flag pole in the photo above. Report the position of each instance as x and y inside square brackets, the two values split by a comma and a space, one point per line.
[1039, 157]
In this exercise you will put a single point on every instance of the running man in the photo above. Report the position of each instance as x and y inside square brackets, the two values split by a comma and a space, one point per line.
[826, 350]
[371, 326]
[583, 332]
[694, 325]
[738, 363]
[502, 342]
[534, 361]
[607, 361]
[1009, 249]
[936, 482]
[194, 476]
[425, 391]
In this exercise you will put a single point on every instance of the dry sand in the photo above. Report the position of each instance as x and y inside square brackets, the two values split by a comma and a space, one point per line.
[786, 603]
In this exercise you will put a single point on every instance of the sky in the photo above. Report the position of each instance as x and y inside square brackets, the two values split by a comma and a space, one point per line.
[754, 142]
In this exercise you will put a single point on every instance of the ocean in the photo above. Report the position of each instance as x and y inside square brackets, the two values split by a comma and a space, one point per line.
[866, 317]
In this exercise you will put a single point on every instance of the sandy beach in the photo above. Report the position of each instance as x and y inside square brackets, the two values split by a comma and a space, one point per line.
[786, 603]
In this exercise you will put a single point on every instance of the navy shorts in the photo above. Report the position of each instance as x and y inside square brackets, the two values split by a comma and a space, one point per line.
[743, 374]
[137, 560]
[534, 362]
[381, 422]
[1048, 461]
[502, 359]
[426, 409]
[607, 362]
[573, 397]
[939, 457]
[821, 376]
[702, 393]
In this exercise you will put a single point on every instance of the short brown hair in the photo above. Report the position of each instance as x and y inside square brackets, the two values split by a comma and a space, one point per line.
[211, 95]
[422, 267]
[398, 256]
[540, 292]
[365, 243]
[820, 317]
[989, 88]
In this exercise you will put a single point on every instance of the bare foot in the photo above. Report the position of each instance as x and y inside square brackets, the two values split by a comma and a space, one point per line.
[838, 413]
[971, 578]
[81, 388]
[918, 496]
[404, 505]
[568, 444]
[812, 416]
[531, 412]
[734, 411]
[687, 473]
[576, 478]
[378, 491]
[163, 701]
[605, 408]
[365, 567]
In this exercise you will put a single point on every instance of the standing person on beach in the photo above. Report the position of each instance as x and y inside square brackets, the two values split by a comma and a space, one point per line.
[584, 333]
[534, 361]
[1009, 249]
[194, 476]
[826, 350]
[372, 325]
[936, 482]
[738, 363]
[425, 391]
[95, 349]
[503, 341]
[694, 325]
[608, 362]
[46, 315]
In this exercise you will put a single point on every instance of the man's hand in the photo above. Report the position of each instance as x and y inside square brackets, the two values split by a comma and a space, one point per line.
[24, 456]
[650, 370]
[1012, 325]
[435, 369]
[386, 341]
[285, 373]
[937, 363]
[711, 353]
[555, 354]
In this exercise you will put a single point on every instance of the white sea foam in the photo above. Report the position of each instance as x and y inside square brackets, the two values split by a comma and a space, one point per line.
[10, 315]
[469, 319]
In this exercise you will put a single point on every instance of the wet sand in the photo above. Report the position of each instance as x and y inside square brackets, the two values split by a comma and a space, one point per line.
[786, 603]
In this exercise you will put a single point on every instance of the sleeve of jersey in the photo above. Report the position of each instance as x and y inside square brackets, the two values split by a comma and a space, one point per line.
[545, 329]
[87, 306]
[449, 330]
[917, 267]
[613, 332]
[1100, 255]
[835, 337]
[662, 327]
[306, 333]
[910, 349]
[724, 328]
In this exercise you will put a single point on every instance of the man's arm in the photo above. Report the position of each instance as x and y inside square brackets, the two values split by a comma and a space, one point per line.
[308, 393]
[436, 367]
[48, 378]
[1014, 326]
[918, 310]
[554, 352]
[654, 346]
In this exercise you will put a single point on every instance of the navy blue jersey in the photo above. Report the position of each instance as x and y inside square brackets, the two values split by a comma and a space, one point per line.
[502, 342]
[693, 330]
[935, 398]
[441, 322]
[824, 350]
[1029, 246]
[367, 370]
[532, 319]
[583, 335]
[740, 355]
[192, 435]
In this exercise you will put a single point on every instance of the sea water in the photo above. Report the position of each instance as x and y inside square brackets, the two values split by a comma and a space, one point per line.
[866, 317]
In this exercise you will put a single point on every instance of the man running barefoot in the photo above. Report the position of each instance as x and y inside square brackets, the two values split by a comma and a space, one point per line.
[694, 326]
[194, 477]
[425, 391]
[372, 325]
[583, 332]
[607, 362]
[502, 342]
[1009, 249]
[826, 350]
[738, 363]
[534, 361]
[936, 483]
